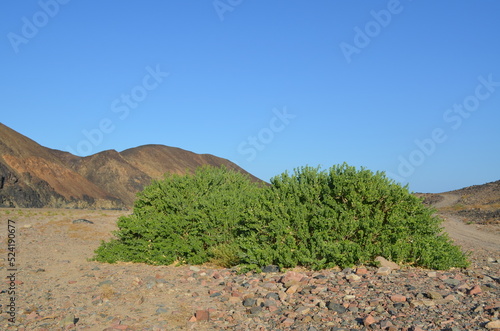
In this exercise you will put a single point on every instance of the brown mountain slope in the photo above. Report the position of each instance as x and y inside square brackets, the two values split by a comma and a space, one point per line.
[35, 176]
[156, 160]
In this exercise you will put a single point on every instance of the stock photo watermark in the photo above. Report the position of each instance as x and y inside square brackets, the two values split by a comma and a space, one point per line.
[372, 29]
[255, 144]
[223, 6]
[31, 26]
[454, 117]
[11, 269]
[121, 106]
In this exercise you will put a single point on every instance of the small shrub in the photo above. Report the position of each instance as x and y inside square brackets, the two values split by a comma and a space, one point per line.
[225, 255]
[312, 218]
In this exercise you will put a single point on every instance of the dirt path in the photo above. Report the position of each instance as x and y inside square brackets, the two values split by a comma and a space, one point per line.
[448, 200]
[467, 235]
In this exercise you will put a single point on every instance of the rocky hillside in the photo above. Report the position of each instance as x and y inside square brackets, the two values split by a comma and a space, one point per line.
[35, 176]
[478, 204]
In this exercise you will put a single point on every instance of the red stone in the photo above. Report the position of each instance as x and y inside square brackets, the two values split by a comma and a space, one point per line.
[288, 322]
[369, 320]
[202, 315]
[361, 271]
[475, 290]
[398, 298]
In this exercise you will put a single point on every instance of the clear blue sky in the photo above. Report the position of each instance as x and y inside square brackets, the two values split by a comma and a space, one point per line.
[407, 87]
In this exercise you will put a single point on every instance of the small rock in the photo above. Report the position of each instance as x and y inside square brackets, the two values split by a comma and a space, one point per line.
[194, 268]
[255, 310]
[292, 289]
[434, 295]
[202, 315]
[249, 302]
[161, 310]
[450, 297]
[385, 324]
[82, 220]
[340, 309]
[384, 271]
[353, 277]
[291, 276]
[272, 295]
[288, 322]
[369, 320]
[361, 271]
[495, 306]
[493, 325]
[303, 310]
[398, 298]
[428, 303]
[451, 281]
[271, 268]
[475, 290]
[386, 263]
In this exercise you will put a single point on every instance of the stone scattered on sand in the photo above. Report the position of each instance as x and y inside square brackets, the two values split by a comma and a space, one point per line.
[386, 263]
[271, 268]
[384, 271]
[82, 221]
[493, 325]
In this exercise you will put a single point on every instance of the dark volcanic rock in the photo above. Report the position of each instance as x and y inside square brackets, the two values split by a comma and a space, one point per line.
[271, 268]
[81, 220]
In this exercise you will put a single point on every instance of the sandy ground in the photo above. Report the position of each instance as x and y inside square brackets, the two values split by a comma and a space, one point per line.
[56, 284]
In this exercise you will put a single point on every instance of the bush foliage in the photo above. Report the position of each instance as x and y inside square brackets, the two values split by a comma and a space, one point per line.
[313, 218]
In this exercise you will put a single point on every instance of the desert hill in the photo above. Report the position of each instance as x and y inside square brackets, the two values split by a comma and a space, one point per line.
[478, 204]
[35, 176]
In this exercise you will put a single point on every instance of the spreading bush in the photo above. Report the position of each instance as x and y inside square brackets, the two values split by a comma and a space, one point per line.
[187, 219]
[312, 218]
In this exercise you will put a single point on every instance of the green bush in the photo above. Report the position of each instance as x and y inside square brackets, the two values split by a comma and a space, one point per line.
[343, 217]
[188, 219]
[313, 218]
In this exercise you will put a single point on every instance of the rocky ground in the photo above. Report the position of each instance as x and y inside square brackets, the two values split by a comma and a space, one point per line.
[57, 288]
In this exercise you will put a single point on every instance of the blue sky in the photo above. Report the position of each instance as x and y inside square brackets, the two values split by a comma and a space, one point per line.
[407, 87]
